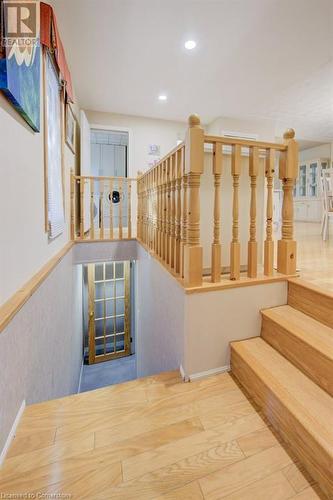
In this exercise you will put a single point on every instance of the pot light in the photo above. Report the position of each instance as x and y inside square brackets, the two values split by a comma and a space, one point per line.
[162, 97]
[190, 44]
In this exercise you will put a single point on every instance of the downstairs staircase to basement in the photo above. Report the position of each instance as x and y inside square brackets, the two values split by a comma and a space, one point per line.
[288, 372]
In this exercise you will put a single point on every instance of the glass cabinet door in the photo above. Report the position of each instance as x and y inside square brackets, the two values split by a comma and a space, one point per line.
[313, 186]
[302, 181]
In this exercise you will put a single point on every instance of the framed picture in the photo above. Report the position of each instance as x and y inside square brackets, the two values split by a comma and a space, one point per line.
[20, 67]
[70, 128]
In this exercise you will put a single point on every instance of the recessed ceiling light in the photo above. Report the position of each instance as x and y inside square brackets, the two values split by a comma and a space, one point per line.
[190, 44]
[162, 97]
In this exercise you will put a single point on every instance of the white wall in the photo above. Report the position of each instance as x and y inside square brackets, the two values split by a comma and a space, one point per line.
[264, 129]
[24, 245]
[214, 319]
[322, 151]
[160, 317]
[42, 346]
[143, 131]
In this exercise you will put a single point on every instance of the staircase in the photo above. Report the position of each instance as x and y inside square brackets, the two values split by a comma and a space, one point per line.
[288, 371]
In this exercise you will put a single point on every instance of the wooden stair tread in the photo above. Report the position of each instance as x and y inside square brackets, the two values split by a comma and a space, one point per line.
[305, 328]
[310, 404]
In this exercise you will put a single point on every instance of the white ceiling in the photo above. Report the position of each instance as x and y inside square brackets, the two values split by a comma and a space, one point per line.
[254, 58]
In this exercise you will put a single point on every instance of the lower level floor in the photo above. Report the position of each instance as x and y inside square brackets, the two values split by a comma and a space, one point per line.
[153, 438]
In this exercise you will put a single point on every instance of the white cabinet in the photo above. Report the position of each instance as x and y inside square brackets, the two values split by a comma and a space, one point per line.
[307, 201]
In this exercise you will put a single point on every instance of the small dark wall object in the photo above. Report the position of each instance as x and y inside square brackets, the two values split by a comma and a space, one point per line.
[115, 197]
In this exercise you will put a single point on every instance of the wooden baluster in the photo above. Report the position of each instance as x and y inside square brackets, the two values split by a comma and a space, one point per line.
[269, 243]
[252, 244]
[101, 204]
[111, 209]
[81, 181]
[145, 211]
[173, 211]
[235, 245]
[73, 232]
[178, 196]
[151, 218]
[164, 239]
[138, 210]
[184, 220]
[288, 171]
[155, 209]
[120, 187]
[149, 209]
[194, 163]
[168, 211]
[216, 246]
[129, 212]
[158, 207]
[92, 206]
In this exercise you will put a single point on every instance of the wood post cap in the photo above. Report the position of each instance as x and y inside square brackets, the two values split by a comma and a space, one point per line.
[289, 133]
[194, 121]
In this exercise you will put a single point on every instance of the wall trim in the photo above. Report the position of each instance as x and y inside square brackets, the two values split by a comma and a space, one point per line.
[10, 308]
[207, 373]
[182, 374]
[80, 378]
[12, 433]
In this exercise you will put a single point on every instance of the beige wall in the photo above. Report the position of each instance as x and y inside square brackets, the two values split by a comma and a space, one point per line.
[24, 245]
[41, 348]
[143, 131]
[214, 319]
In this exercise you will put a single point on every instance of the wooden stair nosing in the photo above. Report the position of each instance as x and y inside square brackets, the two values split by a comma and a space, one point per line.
[299, 346]
[311, 300]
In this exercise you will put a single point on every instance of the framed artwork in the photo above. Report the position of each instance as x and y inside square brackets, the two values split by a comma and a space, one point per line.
[20, 68]
[70, 128]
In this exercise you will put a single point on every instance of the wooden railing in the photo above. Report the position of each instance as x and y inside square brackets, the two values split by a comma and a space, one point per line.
[169, 197]
[101, 208]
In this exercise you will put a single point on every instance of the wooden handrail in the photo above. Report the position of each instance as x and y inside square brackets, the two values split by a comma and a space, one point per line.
[246, 143]
[171, 195]
[96, 220]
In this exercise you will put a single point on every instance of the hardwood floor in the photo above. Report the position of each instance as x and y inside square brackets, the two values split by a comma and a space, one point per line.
[315, 256]
[153, 438]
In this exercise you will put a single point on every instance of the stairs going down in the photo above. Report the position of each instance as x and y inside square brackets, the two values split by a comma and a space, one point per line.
[288, 371]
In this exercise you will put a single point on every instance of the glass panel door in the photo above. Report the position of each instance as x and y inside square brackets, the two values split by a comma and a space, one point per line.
[109, 310]
[313, 186]
[302, 181]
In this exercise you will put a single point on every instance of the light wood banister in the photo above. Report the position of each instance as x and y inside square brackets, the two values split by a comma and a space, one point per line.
[288, 171]
[81, 183]
[169, 216]
[269, 243]
[216, 245]
[194, 165]
[235, 245]
[252, 244]
[92, 223]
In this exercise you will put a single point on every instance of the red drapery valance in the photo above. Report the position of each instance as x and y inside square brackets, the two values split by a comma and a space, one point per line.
[49, 36]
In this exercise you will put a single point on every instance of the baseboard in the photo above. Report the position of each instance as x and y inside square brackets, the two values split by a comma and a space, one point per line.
[182, 374]
[11, 434]
[207, 373]
[80, 379]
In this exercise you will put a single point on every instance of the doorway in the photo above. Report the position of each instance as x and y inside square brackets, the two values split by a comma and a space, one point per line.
[109, 311]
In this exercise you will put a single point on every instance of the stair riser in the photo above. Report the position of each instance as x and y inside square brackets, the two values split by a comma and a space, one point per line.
[311, 302]
[307, 450]
[310, 361]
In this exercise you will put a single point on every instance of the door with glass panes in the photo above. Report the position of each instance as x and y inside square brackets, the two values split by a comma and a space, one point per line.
[109, 311]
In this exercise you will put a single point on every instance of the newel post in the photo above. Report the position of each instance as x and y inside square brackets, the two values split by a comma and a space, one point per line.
[194, 163]
[288, 167]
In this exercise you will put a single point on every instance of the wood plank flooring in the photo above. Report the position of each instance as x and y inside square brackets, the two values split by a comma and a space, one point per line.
[314, 256]
[153, 438]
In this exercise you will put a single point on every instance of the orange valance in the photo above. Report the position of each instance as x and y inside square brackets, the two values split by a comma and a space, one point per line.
[49, 36]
